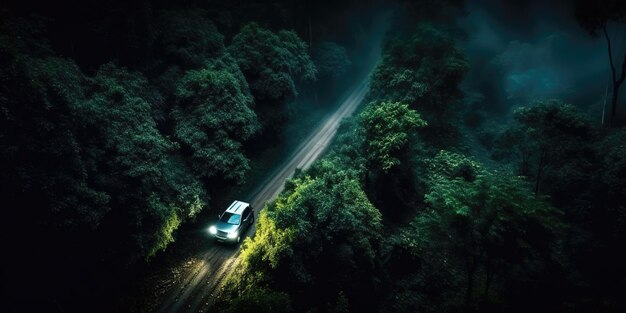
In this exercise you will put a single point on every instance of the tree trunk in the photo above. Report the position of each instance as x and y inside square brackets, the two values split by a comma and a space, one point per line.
[617, 82]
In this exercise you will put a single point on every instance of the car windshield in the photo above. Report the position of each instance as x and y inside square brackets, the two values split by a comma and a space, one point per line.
[231, 218]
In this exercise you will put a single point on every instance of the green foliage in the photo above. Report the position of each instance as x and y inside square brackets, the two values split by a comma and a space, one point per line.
[92, 155]
[598, 217]
[422, 278]
[452, 165]
[555, 146]
[169, 224]
[490, 221]
[185, 39]
[113, 170]
[388, 127]
[549, 142]
[89, 159]
[331, 60]
[272, 62]
[152, 190]
[188, 38]
[120, 117]
[36, 99]
[422, 69]
[612, 151]
[213, 117]
[551, 121]
[317, 238]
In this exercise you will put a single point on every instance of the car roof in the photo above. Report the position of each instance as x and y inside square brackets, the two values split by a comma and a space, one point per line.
[237, 207]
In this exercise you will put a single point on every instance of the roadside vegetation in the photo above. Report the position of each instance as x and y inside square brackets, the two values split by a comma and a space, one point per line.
[400, 216]
[122, 128]
[116, 133]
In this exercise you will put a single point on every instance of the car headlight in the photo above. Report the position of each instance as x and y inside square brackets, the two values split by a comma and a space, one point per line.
[232, 235]
[212, 230]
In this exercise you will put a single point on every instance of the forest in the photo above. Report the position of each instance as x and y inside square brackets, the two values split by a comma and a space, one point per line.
[484, 170]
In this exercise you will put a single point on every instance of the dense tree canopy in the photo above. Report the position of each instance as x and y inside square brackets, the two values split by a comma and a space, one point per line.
[491, 222]
[213, 118]
[119, 126]
[388, 128]
[188, 38]
[37, 130]
[110, 160]
[316, 240]
[123, 121]
[272, 63]
[422, 68]
[551, 139]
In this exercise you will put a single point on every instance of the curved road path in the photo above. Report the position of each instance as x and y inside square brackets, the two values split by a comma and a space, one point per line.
[194, 293]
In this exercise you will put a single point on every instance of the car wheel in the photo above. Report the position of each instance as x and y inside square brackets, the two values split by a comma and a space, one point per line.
[252, 221]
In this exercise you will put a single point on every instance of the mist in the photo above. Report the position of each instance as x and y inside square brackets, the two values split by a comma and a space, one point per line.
[312, 156]
[520, 51]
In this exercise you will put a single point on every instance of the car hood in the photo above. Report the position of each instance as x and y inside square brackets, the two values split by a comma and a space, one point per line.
[225, 227]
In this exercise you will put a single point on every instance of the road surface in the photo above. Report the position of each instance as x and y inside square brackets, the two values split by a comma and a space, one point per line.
[194, 292]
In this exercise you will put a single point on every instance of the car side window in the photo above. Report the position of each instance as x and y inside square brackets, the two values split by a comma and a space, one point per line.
[246, 213]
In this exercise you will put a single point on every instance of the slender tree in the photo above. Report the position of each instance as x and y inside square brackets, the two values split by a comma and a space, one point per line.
[594, 16]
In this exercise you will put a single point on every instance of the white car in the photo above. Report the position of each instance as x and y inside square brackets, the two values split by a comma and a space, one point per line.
[233, 223]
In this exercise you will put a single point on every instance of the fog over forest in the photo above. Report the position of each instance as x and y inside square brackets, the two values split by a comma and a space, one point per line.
[313, 156]
[536, 49]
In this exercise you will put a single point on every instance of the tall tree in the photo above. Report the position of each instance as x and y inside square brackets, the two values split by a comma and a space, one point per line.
[554, 134]
[388, 132]
[594, 16]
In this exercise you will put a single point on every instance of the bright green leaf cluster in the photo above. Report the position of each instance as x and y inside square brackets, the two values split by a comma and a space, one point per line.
[321, 224]
[388, 127]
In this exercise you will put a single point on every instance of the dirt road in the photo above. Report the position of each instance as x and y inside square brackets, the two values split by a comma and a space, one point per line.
[194, 291]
